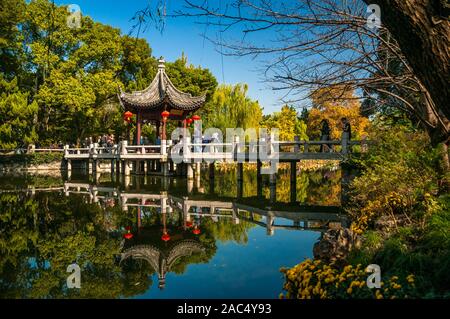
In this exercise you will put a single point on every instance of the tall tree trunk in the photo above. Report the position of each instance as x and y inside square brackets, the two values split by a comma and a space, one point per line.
[422, 29]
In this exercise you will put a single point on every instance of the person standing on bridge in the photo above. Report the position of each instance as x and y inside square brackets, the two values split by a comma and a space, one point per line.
[346, 134]
[325, 135]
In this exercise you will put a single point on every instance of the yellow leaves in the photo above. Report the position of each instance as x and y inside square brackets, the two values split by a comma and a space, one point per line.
[287, 122]
[394, 278]
[333, 103]
[378, 295]
[410, 279]
[315, 279]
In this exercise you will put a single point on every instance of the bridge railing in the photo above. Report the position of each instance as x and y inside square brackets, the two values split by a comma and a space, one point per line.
[30, 150]
[47, 150]
[162, 149]
[325, 146]
[143, 149]
[76, 151]
[215, 150]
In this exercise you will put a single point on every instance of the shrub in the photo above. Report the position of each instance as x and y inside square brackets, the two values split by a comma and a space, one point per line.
[318, 280]
[398, 178]
[32, 159]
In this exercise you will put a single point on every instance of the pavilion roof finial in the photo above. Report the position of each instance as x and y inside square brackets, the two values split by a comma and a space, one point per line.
[161, 63]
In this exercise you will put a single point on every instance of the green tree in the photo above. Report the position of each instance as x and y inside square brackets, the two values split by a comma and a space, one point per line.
[138, 66]
[10, 47]
[191, 79]
[17, 114]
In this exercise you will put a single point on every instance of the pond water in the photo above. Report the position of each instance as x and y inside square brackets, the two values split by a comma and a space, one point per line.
[154, 237]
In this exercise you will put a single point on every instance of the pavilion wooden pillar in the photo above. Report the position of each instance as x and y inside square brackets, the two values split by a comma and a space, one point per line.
[138, 128]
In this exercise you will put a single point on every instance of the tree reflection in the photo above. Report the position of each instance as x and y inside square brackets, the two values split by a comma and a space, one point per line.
[41, 233]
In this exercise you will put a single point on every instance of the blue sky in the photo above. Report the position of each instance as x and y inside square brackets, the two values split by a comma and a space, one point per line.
[184, 35]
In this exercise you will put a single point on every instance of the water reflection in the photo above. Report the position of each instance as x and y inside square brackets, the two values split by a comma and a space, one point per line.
[129, 235]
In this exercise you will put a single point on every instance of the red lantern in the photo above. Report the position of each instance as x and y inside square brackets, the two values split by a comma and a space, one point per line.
[165, 237]
[165, 115]
[128, 236]
[196, 231]
[128, 228]
[188, 224]
[196, 118]
[189, 121]
[127, 116]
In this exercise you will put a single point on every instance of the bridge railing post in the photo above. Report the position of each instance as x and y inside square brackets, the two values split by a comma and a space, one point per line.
[344, 143]
[163, 147]
[31, 148]
[306, 147]
[296, 145]
[123, 148]
[94, 148]
[269, 144]
[186, 149]
[236, 147]
[66, 150]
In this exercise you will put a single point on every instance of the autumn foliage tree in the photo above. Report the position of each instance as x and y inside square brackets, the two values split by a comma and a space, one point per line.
[287, 122]
[332, 104]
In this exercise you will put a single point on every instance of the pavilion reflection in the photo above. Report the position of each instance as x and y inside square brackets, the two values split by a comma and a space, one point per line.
[161, 252]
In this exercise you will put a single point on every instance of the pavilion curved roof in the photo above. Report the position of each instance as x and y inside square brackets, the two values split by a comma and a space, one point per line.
[160, 260]
[159, 93]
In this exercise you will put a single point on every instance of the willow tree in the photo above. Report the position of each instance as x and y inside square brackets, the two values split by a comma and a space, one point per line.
[233, 109]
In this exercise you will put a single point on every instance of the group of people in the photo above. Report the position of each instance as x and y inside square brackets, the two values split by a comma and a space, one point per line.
[325, 133]
[106, 140]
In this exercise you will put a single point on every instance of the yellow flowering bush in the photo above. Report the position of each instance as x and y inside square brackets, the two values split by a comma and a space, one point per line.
[314, 279]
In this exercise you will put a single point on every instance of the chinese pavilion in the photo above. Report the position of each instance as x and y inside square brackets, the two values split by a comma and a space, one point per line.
[160, 101]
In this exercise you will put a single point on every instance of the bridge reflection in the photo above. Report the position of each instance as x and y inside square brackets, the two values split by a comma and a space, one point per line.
[256, 210]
